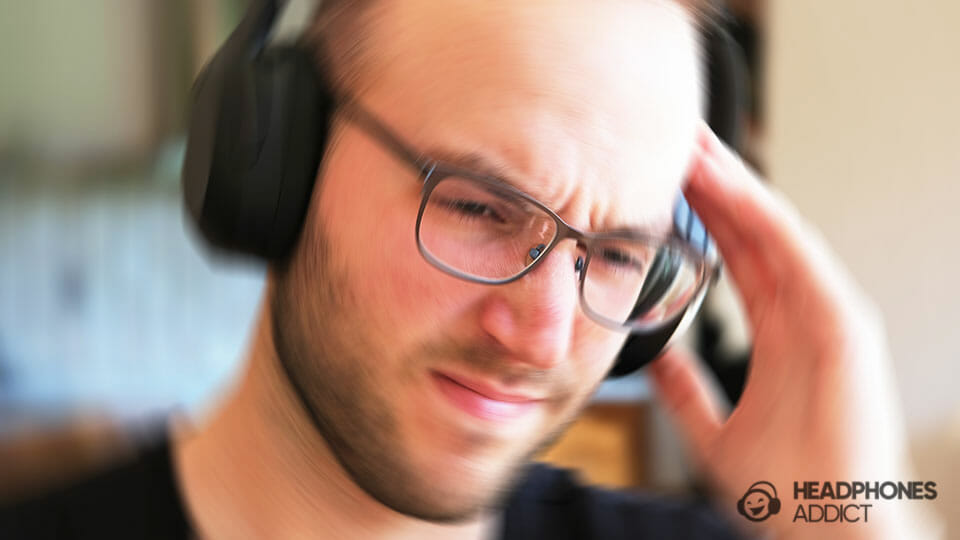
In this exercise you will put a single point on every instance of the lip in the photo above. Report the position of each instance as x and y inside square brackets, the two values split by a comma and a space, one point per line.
[481, 399]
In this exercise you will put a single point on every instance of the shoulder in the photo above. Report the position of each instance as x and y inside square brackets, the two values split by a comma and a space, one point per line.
[552, 503]
[134, 499]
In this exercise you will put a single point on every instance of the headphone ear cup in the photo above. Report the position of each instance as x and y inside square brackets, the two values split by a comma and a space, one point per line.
[726, 72]
[254, 149]
[740, 507]
[642, 348]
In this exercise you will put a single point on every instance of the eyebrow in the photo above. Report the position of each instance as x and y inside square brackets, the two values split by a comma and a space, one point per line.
[651, 228]
[478, 163]
[475, 162]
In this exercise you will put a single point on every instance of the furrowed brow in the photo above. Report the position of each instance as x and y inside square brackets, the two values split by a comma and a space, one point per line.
[480, 163]
[483, 164]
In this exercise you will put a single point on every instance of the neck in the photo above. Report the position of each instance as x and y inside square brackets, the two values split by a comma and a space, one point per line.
[258, 469]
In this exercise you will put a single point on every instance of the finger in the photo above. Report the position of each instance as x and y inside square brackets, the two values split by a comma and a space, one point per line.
[688, 397]
[762, 238]
[743, 255]
[735, 197]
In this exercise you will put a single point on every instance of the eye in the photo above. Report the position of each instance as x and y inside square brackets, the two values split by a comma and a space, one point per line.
[618, 258]
[470, 209]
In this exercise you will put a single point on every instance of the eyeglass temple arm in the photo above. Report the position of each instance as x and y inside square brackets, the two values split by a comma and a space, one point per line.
[367, 121]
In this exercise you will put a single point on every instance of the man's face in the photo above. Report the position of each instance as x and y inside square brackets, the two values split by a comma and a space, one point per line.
[429, 390]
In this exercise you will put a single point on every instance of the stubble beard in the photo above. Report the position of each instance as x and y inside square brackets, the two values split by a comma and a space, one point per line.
[329, 363]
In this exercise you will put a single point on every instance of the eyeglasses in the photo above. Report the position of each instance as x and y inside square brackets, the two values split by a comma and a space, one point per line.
[481, 229]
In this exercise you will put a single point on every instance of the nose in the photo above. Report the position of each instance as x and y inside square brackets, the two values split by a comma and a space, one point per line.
[533, 318]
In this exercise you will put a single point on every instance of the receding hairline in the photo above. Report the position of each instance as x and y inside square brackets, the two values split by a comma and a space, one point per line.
[339, 36]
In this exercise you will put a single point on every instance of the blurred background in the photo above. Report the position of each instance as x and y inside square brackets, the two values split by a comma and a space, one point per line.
[111, 318]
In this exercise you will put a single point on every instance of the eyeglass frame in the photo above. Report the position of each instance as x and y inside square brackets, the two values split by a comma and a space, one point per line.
[431, 172]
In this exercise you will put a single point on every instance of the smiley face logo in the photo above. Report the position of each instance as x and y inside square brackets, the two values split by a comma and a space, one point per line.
[759, 503]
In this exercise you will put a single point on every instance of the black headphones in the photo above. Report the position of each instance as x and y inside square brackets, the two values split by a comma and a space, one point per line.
[757, 487]
[258, 131]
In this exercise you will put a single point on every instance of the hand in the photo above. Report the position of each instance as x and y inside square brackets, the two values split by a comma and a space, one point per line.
[819, 403]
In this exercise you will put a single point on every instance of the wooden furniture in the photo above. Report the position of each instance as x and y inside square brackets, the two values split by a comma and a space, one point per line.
[606, 445]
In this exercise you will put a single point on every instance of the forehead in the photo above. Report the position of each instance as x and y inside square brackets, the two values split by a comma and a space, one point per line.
[589, 105]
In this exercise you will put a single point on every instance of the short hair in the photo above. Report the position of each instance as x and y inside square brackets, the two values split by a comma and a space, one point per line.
[339, 35]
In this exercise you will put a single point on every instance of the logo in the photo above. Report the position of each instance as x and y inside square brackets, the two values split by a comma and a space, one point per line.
[759, 503]
[838, 501]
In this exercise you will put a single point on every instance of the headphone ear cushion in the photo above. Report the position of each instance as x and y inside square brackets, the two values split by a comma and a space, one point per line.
[740, 507]
[253, 154]
[304, 131]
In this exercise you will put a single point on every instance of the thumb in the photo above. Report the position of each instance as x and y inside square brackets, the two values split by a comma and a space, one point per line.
[690, 400]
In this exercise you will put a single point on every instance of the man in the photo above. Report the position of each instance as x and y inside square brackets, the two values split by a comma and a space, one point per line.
[386, 396]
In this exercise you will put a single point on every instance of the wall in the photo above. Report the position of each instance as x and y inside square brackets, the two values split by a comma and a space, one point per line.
[864, 117]
[864, 136]
[76, 77]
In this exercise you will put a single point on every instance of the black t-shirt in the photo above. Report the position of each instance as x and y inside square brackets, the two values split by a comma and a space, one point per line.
[140, 499]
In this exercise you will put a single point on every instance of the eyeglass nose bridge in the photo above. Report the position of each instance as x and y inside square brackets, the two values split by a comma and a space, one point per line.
[432, 173]
[539, 253]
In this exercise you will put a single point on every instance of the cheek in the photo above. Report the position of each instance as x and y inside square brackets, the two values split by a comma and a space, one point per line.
[401, 275]
[371, 222]
[426, 301]
[592, 355]
[596, 347]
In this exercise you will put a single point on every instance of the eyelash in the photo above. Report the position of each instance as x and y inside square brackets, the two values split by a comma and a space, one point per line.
[619, 258]
[469, 210]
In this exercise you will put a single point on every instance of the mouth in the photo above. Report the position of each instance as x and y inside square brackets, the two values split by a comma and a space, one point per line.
[482, 400]
[756, 511]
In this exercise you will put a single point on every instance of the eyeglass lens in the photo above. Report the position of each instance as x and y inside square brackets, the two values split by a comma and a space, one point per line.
[492, 234]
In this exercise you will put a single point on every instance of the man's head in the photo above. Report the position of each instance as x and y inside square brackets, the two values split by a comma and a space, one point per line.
[591, 107]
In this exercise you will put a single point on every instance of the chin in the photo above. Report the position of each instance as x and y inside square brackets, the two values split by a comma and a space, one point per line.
[463, 475]
[455, 493]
